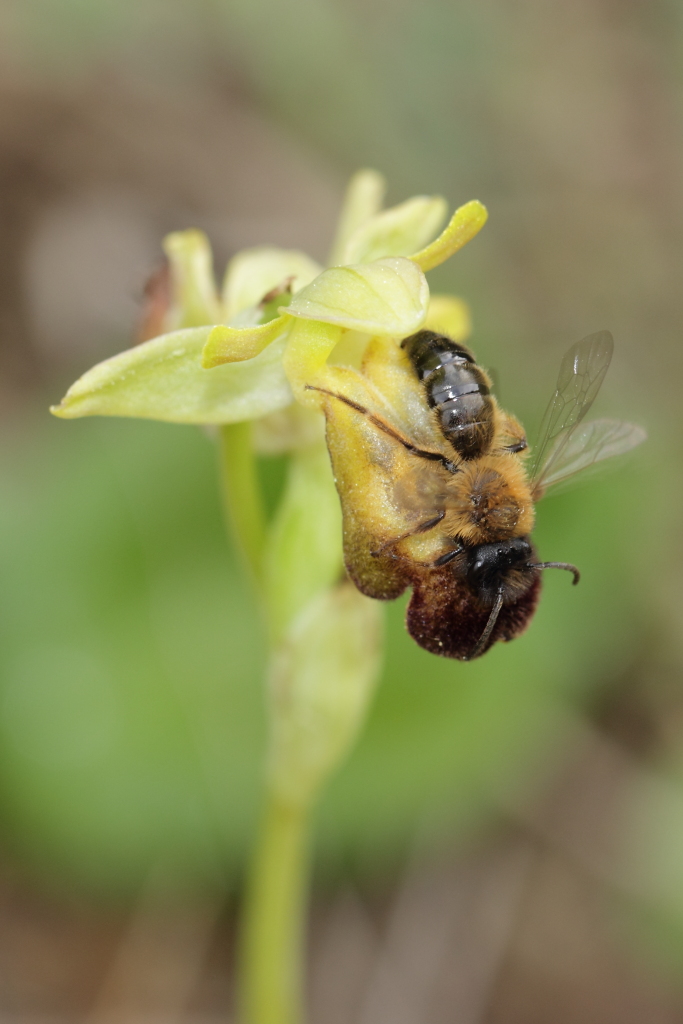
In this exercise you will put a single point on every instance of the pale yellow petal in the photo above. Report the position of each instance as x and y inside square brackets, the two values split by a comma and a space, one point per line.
[399, 231]
[388, 296]
[195, 300]
[252, 273]
[465, 223]
[234, 344]
[364, 197]
[450, 316]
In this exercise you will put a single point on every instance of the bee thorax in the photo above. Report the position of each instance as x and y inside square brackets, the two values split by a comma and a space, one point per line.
[483, 505]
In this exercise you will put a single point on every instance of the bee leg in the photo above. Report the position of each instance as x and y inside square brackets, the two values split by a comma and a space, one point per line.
[436, 564]
[422, 528]
[519, 446]
[445, 559]
[382, 425]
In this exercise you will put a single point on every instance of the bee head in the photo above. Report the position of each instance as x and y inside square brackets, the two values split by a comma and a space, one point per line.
[500, 567]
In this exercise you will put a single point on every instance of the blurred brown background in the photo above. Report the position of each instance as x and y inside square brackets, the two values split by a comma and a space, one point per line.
[506, 845]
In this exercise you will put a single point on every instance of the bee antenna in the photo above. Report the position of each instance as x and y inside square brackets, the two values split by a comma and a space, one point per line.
[493, 618]
[556, 565]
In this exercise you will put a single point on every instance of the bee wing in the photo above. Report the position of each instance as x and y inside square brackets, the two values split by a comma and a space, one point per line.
[587, 445]
[581, 373]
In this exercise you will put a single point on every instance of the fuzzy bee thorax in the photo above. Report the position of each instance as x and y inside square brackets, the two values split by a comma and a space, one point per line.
[488, 500]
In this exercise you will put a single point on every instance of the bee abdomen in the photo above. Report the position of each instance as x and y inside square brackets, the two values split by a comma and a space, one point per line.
[456, 388]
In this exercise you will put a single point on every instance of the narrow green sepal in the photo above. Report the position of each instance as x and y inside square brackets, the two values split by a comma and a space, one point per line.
[163, 379]
[195, 298]
[363, 199]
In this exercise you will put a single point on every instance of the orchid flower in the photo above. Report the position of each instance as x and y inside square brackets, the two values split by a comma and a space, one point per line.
[240, 355]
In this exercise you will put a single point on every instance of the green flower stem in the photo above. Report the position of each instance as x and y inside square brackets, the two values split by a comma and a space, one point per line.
[271, 959]
[273, 925]
[242, 496]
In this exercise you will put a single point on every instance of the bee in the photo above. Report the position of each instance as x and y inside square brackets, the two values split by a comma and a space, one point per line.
[435, 489]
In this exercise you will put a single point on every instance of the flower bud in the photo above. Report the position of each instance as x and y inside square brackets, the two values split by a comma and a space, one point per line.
[322, 677]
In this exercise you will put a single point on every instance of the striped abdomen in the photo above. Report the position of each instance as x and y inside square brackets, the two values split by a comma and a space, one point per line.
[456, 388]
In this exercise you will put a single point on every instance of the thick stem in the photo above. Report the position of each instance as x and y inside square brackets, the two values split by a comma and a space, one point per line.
[242, 496]
[273, 925]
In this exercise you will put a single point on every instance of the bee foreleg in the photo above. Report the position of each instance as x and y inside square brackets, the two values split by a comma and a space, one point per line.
[421, 528]
[444, 559]
[382, 425]
[436, 564]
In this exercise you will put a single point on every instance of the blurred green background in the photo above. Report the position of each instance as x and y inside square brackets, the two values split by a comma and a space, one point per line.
[131, 708]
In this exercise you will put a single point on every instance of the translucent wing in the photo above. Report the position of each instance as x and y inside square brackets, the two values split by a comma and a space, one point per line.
[582, 372]
[589, 444]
